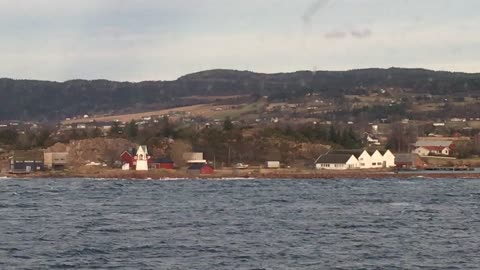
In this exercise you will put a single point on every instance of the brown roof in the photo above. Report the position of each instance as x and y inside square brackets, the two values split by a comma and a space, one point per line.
[335, 158]
[20, 155]
[405, 158]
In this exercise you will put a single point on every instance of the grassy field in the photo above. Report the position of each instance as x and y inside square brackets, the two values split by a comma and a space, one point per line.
[237, 112]
[439, 162]
[205, 110]
[200, 109]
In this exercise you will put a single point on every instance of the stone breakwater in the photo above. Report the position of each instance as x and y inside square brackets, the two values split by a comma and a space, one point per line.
[230, 174]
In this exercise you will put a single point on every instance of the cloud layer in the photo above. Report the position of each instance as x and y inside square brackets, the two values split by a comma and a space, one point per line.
[155, 40]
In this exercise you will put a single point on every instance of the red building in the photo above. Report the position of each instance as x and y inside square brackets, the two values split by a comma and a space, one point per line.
[199, 168]
[409, 161]
[128, 157]
[161, 163]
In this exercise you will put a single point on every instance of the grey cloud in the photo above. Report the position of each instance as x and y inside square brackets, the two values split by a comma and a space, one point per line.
[361, 33]
[313, 9]
[335, 35]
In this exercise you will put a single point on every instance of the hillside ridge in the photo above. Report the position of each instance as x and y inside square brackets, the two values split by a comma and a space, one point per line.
[49, 100]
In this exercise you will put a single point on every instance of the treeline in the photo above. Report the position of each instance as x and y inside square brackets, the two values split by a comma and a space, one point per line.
[44, 100]
[225, 144]
[38, 138]
[229, 143]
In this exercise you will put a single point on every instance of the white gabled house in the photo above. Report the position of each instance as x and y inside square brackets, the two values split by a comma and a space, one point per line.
[433, 148]
[337, 162]
[356, 159]
[363, 157]
[377, 159]
[371, 140]
[389, 158]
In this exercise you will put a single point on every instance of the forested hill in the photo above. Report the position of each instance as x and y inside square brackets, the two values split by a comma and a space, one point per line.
[42, 100]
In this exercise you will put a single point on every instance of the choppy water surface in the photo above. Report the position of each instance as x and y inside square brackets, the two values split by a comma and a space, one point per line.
[308, 224]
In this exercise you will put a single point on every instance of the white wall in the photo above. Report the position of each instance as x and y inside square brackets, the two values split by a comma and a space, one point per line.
[365, 160]
[377, 160]
[421, 151]
[389, 158]
[352, 163]
[142, 159]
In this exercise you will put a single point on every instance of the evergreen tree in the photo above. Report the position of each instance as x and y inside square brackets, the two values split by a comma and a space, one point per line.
[8, 136]
[332, 135]
[94, 133]
[227, 124]
[115, 130]
[131, 129]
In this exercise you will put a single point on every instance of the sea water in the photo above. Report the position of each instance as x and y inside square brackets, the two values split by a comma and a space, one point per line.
[240, 224]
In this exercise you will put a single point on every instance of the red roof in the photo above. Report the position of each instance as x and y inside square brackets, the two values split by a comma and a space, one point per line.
[434, 148]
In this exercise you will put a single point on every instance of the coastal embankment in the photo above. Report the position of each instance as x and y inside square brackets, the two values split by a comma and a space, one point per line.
[105, 173]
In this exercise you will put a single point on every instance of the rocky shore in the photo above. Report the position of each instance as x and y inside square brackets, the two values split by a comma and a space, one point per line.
[103, 173]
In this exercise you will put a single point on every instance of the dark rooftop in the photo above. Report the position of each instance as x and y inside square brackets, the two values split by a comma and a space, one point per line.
[20, 155]
[335, 158]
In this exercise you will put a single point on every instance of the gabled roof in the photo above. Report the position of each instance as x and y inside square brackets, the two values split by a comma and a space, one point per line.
[143, 148]
[335, 158]
[426, 143]
[28, 155]
[127, 152]
[132, 152]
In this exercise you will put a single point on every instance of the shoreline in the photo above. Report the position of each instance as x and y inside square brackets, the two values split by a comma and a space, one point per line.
[166, 175]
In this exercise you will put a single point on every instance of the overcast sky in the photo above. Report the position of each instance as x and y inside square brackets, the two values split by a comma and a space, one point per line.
[138, 40]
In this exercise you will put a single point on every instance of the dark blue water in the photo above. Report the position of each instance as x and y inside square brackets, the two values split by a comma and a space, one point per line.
[307, 224]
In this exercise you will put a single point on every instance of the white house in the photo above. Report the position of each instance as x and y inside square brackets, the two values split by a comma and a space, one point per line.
[356, 159]
[421, 151]
[433, 147]
[389, 158]
[377, 160]
[372, 140]
[142, 158]
[337, 162]
[363, 157]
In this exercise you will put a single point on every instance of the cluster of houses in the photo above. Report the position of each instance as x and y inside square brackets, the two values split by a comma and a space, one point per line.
[139, 159]
[433, 148]
[438, 146]
[36, 160]
[356, 159]
[23, 162]
[441, 147]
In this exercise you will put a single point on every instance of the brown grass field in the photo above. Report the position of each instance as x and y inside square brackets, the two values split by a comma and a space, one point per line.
[205, 110]
[196, 110]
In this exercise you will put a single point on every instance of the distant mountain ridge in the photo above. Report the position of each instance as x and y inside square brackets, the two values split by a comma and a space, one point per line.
[47, 100]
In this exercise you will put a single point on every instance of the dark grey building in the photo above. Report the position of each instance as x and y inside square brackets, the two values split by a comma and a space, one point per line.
[27, 161]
